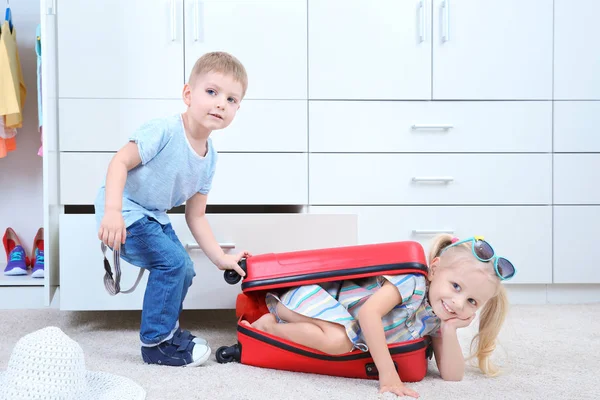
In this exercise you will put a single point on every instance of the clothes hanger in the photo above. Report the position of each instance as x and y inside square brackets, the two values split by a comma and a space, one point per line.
[8, 15]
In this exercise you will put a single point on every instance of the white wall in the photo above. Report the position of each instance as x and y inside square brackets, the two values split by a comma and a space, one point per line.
[21, 170]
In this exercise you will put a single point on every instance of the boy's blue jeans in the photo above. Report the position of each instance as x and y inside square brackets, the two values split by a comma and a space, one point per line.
[157, 248]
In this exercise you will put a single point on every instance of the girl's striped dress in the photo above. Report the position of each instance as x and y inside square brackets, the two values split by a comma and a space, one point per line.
[341, 301]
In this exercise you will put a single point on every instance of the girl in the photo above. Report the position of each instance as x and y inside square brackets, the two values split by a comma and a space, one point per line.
[368, 314]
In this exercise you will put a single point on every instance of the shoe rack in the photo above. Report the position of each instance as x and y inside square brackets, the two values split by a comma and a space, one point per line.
[24, 264]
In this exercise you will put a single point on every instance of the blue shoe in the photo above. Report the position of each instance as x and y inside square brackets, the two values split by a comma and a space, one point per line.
[177, 352]
[38, 266]
[187, 335]
[37, 258]
[17, 263]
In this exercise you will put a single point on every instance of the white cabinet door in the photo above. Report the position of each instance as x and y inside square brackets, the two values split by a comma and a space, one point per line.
[240, 178]
[430, 126]
[492, 50]
[576, 50]
[120, 49]
[576, 178]
[51, 208]
[575, 238]
[369, 49]
[267, 36]
[576, 126]
[432, 179]
[286, 131]
[532, 258]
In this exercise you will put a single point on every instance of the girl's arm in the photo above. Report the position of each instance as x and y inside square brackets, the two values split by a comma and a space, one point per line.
[369, 318]
[448, 353]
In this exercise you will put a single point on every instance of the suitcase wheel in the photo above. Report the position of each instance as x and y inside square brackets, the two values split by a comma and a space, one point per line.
[227, 354]
[233, 277]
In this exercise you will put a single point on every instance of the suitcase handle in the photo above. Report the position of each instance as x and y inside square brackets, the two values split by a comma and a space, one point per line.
[371, 369]
[233, 277]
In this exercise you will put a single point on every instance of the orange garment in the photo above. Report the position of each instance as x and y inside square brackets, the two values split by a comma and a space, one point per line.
[6, 146]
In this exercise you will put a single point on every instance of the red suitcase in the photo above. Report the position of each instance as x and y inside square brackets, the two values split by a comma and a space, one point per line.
[270, 272]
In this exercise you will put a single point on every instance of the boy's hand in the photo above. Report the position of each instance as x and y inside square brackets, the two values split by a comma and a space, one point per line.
[392, 383]
[230, 261]
[112, 229]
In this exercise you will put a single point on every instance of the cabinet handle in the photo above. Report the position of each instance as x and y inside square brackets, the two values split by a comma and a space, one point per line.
[422, 22]
[446, 19]
[173, 21]
[52, 9]
[443, 179]
[196, 22]
[432, 126]
[431, 231]
[224, 246]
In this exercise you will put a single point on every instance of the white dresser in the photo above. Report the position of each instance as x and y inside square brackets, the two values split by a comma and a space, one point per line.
[368, 120]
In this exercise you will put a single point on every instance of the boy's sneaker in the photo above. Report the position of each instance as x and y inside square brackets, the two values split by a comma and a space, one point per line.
[188, 335]
[179, 351]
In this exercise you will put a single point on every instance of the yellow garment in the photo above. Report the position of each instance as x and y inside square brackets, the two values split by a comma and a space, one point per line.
[12, 86]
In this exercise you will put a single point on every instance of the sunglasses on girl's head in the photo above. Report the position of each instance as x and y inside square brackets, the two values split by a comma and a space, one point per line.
[483, 251]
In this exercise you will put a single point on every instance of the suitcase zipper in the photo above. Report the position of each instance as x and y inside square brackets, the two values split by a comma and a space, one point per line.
[362, 272]
[420, 344]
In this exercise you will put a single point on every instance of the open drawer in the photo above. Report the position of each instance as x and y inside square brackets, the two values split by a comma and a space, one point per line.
[82, 272]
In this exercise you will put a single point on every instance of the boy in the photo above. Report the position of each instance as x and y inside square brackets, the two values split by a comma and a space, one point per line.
[169, 161]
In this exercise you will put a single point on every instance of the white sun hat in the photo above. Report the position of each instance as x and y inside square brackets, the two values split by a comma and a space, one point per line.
[48, 365]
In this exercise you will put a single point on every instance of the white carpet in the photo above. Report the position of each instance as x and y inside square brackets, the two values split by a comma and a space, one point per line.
[551, 352]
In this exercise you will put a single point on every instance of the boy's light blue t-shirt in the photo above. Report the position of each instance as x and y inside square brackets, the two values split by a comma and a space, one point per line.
[170, 173]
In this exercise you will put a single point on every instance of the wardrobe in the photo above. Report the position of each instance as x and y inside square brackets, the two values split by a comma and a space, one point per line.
[364, 122]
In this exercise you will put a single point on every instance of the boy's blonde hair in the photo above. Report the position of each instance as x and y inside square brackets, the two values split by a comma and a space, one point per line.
[219, 61]
[492, 314]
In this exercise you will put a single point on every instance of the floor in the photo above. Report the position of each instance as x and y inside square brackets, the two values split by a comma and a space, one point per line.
[549, 352]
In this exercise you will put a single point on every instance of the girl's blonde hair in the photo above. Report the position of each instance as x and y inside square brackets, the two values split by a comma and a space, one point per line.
[492, 314]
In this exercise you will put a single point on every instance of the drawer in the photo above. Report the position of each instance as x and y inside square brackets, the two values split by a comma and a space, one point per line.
[416, 179]
[241, 178]
[82, 287]
[529, 247]
[575, 236]
[576, 126]
[445, 127]
[576, 179]
[106, 124]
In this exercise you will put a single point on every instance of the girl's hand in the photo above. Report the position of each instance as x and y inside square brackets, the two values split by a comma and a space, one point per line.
[455, 323]
[394, 385]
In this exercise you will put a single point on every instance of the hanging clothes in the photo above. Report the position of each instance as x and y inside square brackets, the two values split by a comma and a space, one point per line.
[38, 52]
[12, 86]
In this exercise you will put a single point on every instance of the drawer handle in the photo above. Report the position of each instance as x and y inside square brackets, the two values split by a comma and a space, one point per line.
[224, 246]
[442, 179]
[446, 21]
[173, 21]
[431, 231]
[432, 126]
[197, 20]
[422, 22]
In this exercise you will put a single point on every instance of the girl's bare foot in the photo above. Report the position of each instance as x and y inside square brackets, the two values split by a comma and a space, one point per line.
[263, 323]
